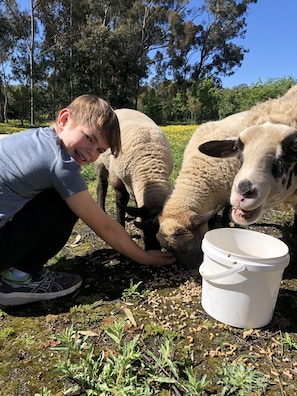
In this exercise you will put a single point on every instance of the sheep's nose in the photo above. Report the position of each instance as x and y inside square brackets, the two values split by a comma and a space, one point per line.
[245, 188]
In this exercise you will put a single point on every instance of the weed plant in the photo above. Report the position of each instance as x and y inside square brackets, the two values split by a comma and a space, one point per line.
[289, 342]
[125, 368]
[132, 290]
[239, 380]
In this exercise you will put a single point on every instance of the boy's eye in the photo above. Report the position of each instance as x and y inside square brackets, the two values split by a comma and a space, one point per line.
[89, 138]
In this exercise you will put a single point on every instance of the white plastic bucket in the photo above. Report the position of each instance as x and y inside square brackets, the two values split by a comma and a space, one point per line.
[241, 274]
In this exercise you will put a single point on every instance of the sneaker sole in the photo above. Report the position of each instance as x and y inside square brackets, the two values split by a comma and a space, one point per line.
[19, 298]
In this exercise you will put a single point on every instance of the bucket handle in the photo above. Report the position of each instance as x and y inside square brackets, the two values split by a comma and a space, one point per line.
[234, 270]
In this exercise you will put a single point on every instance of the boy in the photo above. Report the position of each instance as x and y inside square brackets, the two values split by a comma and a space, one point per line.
[42, 195]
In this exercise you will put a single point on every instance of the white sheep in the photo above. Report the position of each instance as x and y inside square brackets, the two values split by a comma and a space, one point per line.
[204, 183]
[141, 172]
[268, 155]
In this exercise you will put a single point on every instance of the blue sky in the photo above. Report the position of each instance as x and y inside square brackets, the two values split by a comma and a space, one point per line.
[271, 38]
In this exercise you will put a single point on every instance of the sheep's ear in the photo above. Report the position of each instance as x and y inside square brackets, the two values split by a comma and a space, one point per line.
[219, 148]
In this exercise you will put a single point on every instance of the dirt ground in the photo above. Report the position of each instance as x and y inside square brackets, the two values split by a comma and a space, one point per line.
[172, 302]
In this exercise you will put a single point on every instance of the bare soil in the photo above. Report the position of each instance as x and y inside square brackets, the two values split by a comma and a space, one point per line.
[171, 303]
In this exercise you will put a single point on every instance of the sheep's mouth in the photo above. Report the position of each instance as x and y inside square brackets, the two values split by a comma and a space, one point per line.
[244, 217]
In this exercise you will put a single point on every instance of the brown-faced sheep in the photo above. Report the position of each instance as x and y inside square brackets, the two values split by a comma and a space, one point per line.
[267, 152]
[200, 190]
[204, 183]
[141, 171]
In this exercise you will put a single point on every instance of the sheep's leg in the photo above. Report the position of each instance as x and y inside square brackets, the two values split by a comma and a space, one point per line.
[102, 185]
[122, 198]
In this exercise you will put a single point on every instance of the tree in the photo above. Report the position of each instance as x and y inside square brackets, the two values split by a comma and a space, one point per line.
[111, 47]
[243, 97]
[12, 30]
[204, 49]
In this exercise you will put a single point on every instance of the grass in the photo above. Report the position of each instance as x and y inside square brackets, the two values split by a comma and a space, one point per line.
[178, 137]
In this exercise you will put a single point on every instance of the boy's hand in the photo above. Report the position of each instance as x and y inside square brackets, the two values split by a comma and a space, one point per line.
[156, 257]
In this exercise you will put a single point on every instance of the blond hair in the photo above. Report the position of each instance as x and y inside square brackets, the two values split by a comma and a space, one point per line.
[95, 112]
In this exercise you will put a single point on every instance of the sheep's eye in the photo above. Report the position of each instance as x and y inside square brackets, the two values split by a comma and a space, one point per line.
[238, 145]
[235, 147]
[294, 145]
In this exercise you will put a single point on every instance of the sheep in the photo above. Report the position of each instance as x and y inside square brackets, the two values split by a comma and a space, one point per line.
[267, 152]
[141, 172]
[201, 189]
[204, 183]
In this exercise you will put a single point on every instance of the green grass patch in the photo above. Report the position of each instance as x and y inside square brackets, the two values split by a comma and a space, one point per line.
[178, 137]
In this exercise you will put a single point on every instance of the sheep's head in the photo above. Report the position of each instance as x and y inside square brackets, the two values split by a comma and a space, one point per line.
[182, 236]
[268, 173]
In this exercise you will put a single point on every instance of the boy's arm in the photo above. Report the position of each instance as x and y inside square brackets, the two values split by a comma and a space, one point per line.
[85, 207]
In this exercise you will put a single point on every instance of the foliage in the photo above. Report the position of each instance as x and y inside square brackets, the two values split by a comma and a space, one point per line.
[243, 98]
[132, 290]
[64, 48]
[126, 368]
[288, 341]
[44, 392]
[6, 333]
[10, 127]
[89, 173]
[239, 380]
[196, 103]
[209, 40]
[163, 58]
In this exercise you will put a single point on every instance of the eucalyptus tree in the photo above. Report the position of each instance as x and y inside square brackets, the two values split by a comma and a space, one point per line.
[201, 41]
[201, 48]
[13, 28]
[26, 66]
[105, 46]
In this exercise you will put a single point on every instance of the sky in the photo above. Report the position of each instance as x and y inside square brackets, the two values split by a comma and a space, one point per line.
[271, 39]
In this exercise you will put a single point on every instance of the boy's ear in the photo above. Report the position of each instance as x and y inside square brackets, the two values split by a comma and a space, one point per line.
[63, 117]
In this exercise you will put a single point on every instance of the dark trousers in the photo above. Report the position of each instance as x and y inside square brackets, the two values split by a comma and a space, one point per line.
[36, 233]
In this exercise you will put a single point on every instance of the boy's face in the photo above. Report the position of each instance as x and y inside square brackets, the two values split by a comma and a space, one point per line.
[79, 141]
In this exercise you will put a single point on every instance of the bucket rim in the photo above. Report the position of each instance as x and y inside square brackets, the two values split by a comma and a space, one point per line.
[237, 256]
[255, 264]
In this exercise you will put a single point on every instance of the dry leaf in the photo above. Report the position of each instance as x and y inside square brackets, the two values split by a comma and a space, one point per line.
[88, 333]
[76, 241]
[130, 316]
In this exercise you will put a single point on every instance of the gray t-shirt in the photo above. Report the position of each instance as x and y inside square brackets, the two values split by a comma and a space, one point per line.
[33, 161]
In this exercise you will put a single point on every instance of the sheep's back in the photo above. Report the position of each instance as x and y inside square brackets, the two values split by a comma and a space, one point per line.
[282, 110]
[145, 162]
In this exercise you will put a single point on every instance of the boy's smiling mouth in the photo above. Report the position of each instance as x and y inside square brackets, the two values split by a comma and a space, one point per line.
[80, 156]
